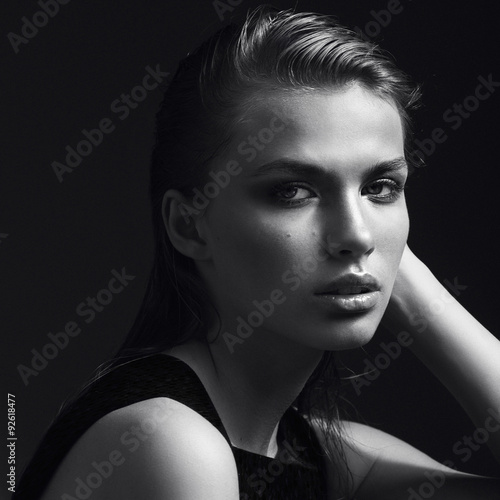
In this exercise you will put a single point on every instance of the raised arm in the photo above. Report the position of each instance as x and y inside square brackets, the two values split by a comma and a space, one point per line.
[450, 342]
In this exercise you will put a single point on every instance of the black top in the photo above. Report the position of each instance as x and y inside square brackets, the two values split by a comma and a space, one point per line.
[297, 472]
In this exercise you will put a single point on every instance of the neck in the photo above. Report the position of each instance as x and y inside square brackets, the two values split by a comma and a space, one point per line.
[252, 384]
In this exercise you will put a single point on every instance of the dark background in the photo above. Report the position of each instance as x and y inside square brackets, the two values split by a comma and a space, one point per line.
[60, 241]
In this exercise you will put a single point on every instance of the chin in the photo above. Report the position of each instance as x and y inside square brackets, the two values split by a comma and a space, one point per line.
[348, 333]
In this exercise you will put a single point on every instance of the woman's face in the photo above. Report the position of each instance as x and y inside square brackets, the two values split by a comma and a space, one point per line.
[305, 241]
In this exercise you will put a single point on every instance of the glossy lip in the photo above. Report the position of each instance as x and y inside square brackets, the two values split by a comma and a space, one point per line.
[351, 293]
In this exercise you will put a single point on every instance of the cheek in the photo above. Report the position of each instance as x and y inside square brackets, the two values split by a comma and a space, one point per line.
[252, 247]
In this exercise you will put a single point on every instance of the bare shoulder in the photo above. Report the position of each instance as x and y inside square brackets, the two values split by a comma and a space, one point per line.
[378, 463]
[146, 450]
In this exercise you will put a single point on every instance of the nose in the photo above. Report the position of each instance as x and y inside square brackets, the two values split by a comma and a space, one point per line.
[349, 232]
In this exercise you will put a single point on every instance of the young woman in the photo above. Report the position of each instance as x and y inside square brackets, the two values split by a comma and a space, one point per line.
[281, 225]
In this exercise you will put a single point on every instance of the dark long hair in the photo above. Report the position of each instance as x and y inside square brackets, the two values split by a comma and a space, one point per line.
[213, 86]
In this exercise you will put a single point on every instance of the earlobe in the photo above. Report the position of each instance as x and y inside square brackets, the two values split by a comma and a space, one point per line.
[183, 225]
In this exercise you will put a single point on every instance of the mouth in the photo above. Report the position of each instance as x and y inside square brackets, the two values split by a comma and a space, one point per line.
[351, 293]
[351, 284]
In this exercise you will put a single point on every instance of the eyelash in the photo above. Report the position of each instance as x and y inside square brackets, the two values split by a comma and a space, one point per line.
[279, 189]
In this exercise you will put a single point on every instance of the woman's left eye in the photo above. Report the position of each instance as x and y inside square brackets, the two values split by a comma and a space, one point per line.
[384, 190]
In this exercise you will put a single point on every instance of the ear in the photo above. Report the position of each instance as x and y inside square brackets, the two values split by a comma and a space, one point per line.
[184, 225]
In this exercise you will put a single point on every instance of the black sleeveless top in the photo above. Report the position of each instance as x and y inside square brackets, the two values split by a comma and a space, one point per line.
[298, 471]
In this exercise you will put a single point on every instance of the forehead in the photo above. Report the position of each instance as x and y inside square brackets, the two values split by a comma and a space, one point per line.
[334, 127]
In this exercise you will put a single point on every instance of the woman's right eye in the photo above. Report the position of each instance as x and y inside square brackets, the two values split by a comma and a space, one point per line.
[292, 193]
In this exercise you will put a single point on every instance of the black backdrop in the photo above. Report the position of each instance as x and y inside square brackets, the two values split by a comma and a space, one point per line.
[60, 241]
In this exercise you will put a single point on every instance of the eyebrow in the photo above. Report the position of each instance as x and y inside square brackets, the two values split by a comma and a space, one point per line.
[291, 166]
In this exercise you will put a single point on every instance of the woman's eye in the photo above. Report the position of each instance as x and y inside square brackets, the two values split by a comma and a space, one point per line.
[291, 193]
[383, 190]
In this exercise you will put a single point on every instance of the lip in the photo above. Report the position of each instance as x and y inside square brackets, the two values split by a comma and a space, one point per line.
[351, 293]
[349, 284]
[349, 304]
